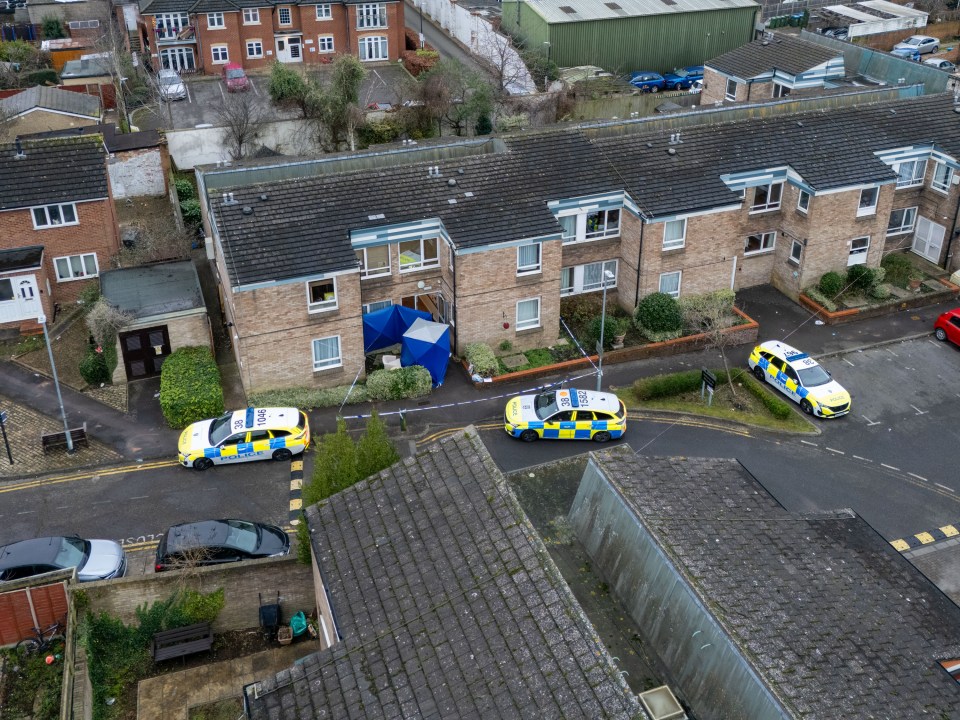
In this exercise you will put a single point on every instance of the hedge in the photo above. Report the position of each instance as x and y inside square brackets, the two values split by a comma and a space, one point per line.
[821, 299]
[408, 382]
[307, 398]
[662, 386]
[482, 358]
[190, 387]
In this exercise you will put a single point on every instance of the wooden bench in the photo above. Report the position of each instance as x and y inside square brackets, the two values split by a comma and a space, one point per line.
[55, 440]
[182, 641]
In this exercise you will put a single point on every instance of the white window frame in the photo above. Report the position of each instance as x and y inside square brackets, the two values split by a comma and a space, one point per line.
[326, 363]
[371, 16]
[83, 24]
[677, 242]
[858, 253]
[375, 42]
[530, 268]
[606, 226]
[904, 227]
[424, 262]
[528, 324]
[780, 90]
[796, 252]
[251, 16]
[280, 15]
[727, 95]
[83, 261]
[802, 206]
[675, 293]
[871, 207]
[222, 50]
[368, 308]
[366, 272]
[325, 44]
[768, 243]
[941, 184]
[168, 25]
[48, 223]
[215, 21]
[257, 49]
[324, 12]
[915, 179]
[325, 305]
[768, 206]
[577, 273]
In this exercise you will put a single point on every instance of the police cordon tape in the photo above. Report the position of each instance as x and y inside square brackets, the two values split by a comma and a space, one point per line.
[538, 388]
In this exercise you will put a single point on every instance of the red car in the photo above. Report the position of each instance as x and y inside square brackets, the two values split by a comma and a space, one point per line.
[947, 326]
[235, 78]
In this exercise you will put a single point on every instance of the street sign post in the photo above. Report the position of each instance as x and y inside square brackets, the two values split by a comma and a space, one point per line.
[708, 381]
[3, 429]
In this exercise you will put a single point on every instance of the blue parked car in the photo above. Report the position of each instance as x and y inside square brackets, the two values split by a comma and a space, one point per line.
[907, 53]
[683, 78]
[647, 81]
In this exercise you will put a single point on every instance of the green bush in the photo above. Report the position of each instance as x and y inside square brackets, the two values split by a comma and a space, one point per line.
[897, 268]
[190, 209]
[45, 76]
[482, 358]
[880, 292]
[93, 367]
[614, 326]
[661, 386]
[580, 310]
[658, 312]
[307, 398]
[199, 607]
[89, 294]
[718, 302]
[185, 189]
[407, 382]
[52, 28]
[860, 277]
[821, 299]
[775, 405]
[379, 132]
[190, 387]
[831, 284]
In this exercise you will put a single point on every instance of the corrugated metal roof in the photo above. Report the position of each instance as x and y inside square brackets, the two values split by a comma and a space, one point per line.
[564, 11]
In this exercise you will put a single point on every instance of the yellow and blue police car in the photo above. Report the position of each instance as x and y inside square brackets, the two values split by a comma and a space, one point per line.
[566, 415]
[800, 378]
[244, 435]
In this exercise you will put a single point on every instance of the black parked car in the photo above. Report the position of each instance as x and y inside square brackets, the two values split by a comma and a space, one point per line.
[213, 542]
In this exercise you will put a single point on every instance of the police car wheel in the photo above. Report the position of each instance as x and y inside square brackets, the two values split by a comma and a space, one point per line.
[282, 455]
[529, 435]
[806, 407]
[759, 374]
[941, 334]
[202, 464]
[601, 437]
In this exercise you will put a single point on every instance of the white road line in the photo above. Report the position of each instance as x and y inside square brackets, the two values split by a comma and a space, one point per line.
[807, 442]
[62, 507]
[861, 458]
[944, 487]
[838, 452]
[934, 342]
[102, 502]
[919, 411]
[139, 497]
[891, 352]
[918, 477]
[26, 512]
[849, 363]
[889, 467]
[869, 421]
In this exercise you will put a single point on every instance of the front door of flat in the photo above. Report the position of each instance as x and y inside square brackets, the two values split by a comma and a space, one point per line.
[928, 239]
[144, 351]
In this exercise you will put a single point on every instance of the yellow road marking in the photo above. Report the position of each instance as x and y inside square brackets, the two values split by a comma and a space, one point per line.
[949, 530]
[296, 484]
[57, 479]
[134, 547]
[296, 504]
[900, 545]
[296, 465]
[924, 537]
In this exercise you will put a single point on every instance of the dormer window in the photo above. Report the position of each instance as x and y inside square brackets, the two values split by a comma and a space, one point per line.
[767, 197]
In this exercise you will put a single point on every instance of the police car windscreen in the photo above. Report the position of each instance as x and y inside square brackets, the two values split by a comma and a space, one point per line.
[220, 428]
[811, 377]
[545, 405]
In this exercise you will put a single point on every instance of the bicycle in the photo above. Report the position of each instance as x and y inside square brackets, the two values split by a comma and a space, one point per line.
[42, 640]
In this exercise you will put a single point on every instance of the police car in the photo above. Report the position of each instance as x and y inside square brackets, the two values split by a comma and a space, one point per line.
[800, 378]
[566, 415]
[244, 435]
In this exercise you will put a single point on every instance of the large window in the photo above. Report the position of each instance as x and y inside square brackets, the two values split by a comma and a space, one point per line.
[373, 48]
[528, 259]
[868, 201]
[325, 43]
[803, 201]
[215, 20]
[670, 283]
[603, 223]
[169, 25]
[767, 197]
[731, 91]
[587, 278]
[321, 295]
[251, 16]
[220, 54]
[942, 177]
[910, 173]
[858, 251]
[674, 234]
[76, 267]
[796, 252]
[374, 261]
[418, 254]
[902, 221]
[528, 314]
[284, 17]
[326, 353]
[54, 215]
[371, 15]
[324, 12]
[178, 58]
[760, 243]
[254, 49]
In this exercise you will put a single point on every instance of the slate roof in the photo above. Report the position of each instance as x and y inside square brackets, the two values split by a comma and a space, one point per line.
[448, 604]
[115, 142]
[858, 629]
[152, 290]
[20, 258]
[41, 97]
[52, 171]
[781, 52]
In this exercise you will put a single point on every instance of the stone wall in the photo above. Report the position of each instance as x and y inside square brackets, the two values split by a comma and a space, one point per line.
[137, 173]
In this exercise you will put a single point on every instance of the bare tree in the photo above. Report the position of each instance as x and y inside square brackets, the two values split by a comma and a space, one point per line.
[712, 314]
[117, 62]
[503, 60]
[105, 321]
[242, 118]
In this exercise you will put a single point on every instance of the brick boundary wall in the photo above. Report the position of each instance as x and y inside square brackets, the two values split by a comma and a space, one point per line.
[843, 316]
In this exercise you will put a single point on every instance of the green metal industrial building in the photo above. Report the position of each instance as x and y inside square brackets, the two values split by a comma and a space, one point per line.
[626, 35]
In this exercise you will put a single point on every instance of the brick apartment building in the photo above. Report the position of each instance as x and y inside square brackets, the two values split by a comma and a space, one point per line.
[58, 225]
[489, 234]
[192, 36]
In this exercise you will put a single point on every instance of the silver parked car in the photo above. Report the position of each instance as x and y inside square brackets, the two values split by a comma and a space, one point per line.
[923, 44]
[94, 559]
[171, 86]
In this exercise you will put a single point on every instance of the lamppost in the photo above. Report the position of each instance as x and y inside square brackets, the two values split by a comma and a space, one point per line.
[420, 8]
[56, 383]
[607, 275]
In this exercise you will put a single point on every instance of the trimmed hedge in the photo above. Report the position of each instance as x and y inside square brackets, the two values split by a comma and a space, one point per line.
[307, 398]
[831, 284]
[190, 387]
[860, 277]
[662, 386]
[408, 382]
[483, 359]
[776, 406]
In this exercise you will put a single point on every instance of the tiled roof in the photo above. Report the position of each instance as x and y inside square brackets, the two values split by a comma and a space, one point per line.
[448, 604]
[844, 626]
[20, 258]
[115, 142]
[52, 171]
[41, 97]
[781, 52]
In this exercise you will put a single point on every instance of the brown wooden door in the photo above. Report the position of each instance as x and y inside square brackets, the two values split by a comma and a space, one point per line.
[144, 351]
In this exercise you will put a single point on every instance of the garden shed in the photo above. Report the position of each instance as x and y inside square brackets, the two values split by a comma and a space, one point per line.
[629, 35]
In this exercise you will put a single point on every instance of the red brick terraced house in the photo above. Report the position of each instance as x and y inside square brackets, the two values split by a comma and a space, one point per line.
[58, 226]
[204, 35]
[489, 234]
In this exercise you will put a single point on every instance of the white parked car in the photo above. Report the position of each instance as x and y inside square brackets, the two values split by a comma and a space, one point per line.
[941, 64]
[171, 86]
[923, 44]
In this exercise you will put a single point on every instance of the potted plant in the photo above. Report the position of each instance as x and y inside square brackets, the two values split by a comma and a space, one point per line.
[915, 280]
[617, 327]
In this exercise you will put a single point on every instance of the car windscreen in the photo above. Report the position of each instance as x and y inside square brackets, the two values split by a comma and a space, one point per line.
[813, 376]
[235, 74]
[220, 428]
[242, 535]
[73, 552]
[545, 405]
[912, 41]
[170, 80]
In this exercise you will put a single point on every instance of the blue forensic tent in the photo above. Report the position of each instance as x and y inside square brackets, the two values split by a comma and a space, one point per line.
[427, 343]
[386, 327]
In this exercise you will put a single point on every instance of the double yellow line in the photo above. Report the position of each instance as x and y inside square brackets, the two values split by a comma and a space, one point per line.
[58, 479]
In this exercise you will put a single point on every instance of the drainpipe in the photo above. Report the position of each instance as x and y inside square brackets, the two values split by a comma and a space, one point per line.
[953, 234]
[453, 272]
[636, 298]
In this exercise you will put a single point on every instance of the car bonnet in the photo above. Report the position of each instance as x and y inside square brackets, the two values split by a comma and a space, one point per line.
[105, 559]
[196, 436]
